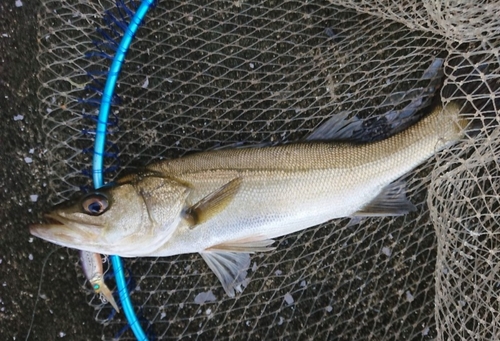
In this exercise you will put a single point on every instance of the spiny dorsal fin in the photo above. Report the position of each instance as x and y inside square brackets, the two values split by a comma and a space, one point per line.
[354, 129]
[391, 201]
[213, 203]
[338, 127]
[136, 177]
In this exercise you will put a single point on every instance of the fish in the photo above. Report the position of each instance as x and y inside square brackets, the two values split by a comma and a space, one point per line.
[227, 204]
[92, 268]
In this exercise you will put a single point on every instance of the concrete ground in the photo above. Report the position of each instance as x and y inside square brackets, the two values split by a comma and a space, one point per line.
[40, 298]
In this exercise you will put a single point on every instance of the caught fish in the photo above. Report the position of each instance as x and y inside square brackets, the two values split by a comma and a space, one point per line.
[226, 204]
[92, 268]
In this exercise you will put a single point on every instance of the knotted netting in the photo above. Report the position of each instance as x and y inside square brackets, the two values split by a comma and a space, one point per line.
[206, 74]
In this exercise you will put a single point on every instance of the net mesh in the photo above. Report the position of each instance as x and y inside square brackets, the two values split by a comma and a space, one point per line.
[203, 74]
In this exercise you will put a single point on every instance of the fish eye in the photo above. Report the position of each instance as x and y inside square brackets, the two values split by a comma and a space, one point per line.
[95, 204]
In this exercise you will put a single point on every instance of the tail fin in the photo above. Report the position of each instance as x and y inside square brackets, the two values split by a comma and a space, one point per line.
[452, 123]
[470, 85]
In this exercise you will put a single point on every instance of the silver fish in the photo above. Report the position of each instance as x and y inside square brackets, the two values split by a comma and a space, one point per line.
[226, 204]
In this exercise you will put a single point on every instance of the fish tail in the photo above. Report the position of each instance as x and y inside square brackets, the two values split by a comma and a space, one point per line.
[470, 84]
[452, 122]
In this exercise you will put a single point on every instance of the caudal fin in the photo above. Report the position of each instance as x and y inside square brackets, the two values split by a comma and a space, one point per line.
[469, 84]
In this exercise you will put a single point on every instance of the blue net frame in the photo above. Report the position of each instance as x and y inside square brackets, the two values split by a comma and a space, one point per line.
[99, 152]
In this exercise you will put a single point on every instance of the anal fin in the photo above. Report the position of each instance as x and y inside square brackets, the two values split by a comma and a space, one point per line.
[391, 201]
[230, 261]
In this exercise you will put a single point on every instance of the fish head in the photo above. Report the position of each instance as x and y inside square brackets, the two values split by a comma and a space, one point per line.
[129, 219]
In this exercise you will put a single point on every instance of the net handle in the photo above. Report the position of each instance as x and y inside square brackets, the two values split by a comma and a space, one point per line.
[99, 149]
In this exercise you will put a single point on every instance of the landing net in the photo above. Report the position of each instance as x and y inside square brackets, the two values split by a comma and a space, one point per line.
[204, 74]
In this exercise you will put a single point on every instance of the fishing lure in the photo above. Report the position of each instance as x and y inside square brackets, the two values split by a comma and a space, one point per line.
[92, 268]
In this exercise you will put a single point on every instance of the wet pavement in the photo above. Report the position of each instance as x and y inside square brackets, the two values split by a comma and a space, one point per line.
[40, 298]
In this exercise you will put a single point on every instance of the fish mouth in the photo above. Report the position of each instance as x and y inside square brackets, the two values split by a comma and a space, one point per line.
[64, 231]
[54, 233]
[56, 219]
[52, 220]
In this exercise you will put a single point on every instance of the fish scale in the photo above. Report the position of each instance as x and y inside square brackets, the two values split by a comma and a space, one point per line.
[226, 204]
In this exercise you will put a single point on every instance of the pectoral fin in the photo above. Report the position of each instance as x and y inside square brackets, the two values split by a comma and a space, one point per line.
[230, 261]
[213, 203]
[391, 201]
